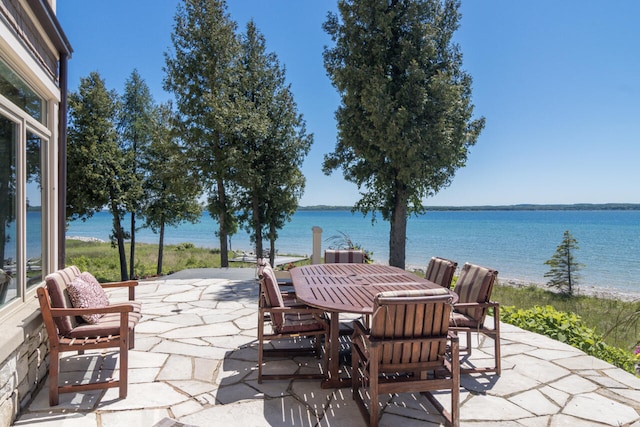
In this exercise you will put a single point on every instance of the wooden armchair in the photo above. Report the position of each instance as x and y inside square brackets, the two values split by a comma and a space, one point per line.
[441, 271]
[332, 256]
[78, 329]
[289, 321]
[474, 287]
[408, 349]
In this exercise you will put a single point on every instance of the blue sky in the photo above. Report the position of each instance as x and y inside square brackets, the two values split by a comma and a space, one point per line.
[558, 84]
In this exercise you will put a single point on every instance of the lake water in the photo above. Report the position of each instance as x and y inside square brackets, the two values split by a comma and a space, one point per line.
[516, 243]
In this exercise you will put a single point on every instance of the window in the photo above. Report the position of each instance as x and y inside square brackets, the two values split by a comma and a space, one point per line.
[23, 213]
[18, 92]
[34, 209]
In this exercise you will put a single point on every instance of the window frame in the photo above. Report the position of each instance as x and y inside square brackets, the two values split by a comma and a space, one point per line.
[27, 124]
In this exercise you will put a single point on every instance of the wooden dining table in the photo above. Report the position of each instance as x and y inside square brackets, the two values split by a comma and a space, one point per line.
[348, 288]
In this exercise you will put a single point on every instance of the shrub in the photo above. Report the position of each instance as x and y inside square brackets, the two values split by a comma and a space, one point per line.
[185, 246]
[568, 328]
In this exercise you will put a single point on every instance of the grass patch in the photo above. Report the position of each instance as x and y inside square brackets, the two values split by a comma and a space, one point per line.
[618, 322]
[102, 260]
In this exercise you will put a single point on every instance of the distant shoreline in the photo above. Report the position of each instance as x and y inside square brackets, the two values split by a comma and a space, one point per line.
[518, 207]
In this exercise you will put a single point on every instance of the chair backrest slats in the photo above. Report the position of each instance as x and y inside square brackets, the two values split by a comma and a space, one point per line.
[410, 315]
[272, 294]
[475, 285]
[441, 271]
[332, 256]
[57, 287]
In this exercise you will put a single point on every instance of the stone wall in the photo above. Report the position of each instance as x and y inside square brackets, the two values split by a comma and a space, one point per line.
[23, 370]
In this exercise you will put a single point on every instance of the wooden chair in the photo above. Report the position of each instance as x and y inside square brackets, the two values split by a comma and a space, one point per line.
[68, 332]
[408, 349]
[293, 322]
[332, 256]
[474, 287]
[441, 271]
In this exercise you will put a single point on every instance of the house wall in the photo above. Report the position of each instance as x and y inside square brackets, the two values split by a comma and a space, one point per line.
[23, 361]
[32, 46]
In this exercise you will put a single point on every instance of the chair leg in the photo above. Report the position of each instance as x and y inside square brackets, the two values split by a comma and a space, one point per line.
[496, 338]
[54, 371]
[455, 379]
[373, 391]
[124, 368]
[260, 346]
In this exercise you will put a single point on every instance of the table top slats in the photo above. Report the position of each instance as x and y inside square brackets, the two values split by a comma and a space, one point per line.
[351, 288]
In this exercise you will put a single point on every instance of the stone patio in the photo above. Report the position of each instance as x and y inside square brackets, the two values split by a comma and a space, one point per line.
[194, 363]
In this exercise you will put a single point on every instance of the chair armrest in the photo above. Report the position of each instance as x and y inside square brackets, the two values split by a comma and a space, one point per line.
[476, 304]
[294, 310]
[131, 284]
[115, 308]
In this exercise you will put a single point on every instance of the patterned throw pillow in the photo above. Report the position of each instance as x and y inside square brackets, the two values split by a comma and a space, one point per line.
[84, 294]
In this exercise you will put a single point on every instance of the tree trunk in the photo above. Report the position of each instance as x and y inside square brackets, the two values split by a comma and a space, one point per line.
[160, 248]
[398, 232]
[257, 224]
[117, 228]
[222, 199]
[132, 250]
[272, 245]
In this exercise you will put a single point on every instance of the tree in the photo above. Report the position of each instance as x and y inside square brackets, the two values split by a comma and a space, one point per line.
[271, 143]
[171, 190]
[405, 121]
[96, 171]
[199, 73]
[564, 268]
[134, 124]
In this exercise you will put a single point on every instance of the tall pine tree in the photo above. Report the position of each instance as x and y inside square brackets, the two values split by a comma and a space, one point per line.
[135, 126]
[97, 170]
[171, 189]
[405, 122]
[271, 143]
[563, 273]
[199, 72]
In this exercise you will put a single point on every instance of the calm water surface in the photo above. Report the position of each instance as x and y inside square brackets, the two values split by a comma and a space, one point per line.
[516, 243]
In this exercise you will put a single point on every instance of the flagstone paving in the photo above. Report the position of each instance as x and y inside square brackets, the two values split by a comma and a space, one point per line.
[195, 362]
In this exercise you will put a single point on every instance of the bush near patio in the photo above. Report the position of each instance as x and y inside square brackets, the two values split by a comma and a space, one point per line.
[570, 329]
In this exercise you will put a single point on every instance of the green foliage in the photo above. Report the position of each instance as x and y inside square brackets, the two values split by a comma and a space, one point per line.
[567, 328]
[618, 321]
[271, 145]
[405, 122]
[239, 121]
[98, 174]
[563, 272]
[185, 246]
[171, 188]
[200, 72]
[134, 126]
[93, 155]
